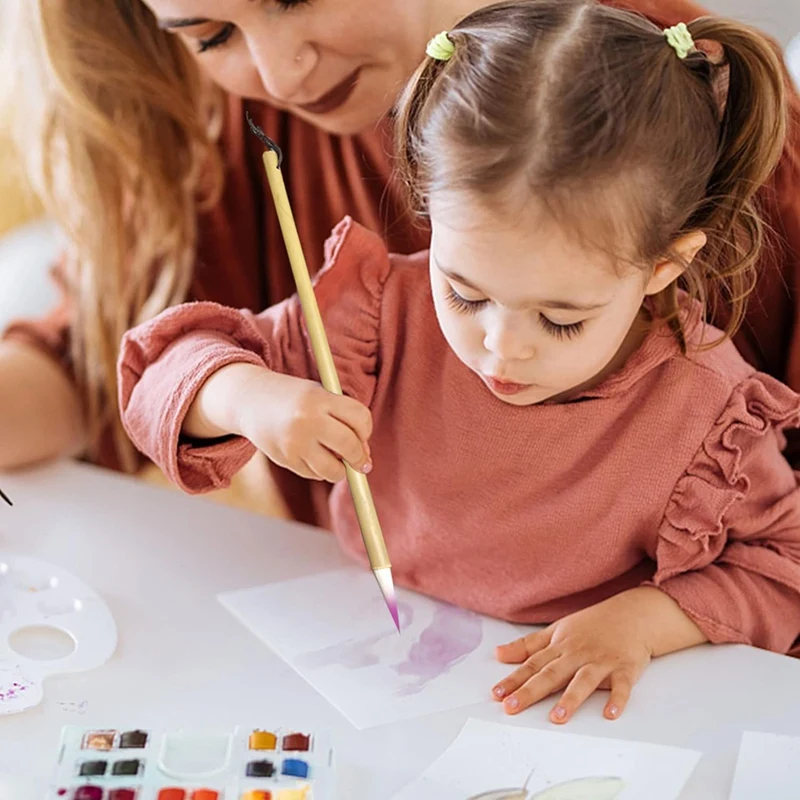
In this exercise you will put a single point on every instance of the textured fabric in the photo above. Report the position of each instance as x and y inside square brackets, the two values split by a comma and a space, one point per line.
[241, 261]
[669, 472]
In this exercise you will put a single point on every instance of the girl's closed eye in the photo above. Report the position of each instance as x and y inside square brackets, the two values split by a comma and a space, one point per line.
[462, 304]
[569, 331]
[226, 31]
[560, 331]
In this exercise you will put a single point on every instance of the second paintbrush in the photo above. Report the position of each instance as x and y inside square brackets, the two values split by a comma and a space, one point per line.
[359, 487]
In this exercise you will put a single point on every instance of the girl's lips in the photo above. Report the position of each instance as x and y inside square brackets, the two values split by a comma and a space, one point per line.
[504, 387]
[335, 98]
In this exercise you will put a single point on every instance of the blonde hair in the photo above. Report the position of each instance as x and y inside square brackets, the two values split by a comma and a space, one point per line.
[117, 129]
[590, 109]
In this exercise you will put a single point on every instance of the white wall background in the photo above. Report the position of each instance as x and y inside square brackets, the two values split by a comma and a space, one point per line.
[779, 18]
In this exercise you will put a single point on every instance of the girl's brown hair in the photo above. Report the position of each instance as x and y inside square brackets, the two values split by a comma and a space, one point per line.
[118, 131]
[588, 109]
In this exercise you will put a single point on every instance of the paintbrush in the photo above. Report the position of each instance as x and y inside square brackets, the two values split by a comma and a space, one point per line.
[6, 497]
[359, 487]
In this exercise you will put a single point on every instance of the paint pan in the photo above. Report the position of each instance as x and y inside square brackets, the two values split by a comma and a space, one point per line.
[153, 764]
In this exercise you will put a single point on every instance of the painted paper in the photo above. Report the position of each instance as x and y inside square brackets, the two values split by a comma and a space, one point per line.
[335, 630]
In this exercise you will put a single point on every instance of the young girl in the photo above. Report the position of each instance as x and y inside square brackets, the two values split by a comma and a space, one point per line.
[570, 444]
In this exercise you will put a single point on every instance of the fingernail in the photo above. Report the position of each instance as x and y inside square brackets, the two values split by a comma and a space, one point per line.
[499, 691]
[512, 703]
[367, 468]
[559, 712]
[613, 711]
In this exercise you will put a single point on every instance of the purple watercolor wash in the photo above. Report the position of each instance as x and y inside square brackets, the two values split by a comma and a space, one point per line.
[452, 635]
[354, 653]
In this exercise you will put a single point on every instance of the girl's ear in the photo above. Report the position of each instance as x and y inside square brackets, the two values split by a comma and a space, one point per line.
[682, 253]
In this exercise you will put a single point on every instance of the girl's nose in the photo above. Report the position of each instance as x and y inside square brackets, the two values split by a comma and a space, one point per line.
[508, 338]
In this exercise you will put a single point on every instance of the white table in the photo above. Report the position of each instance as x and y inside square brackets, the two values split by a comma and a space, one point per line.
[159, 559]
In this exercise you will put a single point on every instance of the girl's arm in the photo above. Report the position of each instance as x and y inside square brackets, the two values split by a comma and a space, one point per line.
[214, 412]
[727, 569]
[201, 383]
[728, 550]
[41, 414]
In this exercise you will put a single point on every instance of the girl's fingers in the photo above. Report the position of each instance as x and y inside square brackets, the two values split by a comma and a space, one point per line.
[304, 470]
[532, 666]
[517, 651]
[353, 414]
[343, 441]
[621, 688]
[552, 677]
[326, 465]
[585, 683]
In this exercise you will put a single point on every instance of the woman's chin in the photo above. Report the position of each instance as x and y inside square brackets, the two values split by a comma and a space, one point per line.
[346, 122]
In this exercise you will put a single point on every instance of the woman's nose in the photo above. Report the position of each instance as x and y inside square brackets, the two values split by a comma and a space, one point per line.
[284, 63]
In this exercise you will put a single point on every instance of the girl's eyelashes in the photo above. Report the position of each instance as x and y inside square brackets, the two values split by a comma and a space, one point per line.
[464, 306]
[561, 331]
[459, 303]
[227, 30]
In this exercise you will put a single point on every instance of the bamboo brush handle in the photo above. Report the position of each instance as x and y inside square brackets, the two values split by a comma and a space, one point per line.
[359, 486]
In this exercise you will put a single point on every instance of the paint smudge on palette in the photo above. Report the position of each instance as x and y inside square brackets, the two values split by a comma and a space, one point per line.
[12, 692]
[17, 692]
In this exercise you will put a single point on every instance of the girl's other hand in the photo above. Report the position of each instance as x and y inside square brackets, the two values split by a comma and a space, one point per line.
[605, 646]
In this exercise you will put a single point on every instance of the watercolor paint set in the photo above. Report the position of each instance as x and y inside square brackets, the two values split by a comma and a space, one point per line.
[149, 764]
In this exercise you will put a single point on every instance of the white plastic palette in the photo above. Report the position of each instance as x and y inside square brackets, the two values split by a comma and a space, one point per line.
[37, 595]
[148, 764]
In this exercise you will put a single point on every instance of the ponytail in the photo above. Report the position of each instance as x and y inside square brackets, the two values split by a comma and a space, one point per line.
[752, 134]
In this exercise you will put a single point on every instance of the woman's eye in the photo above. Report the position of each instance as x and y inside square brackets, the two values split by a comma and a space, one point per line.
[217, 40]
[459, 303]
[227, 30]
[561, 331]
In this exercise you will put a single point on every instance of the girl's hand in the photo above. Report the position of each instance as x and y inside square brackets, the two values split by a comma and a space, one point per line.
[300, 426]
[294, 422]
[606, 646]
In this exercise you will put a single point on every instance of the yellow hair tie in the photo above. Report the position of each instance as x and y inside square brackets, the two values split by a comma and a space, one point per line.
[441, 47]
[679, 38]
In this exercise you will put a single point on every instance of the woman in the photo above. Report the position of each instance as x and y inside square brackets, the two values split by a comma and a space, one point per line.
[150, 170]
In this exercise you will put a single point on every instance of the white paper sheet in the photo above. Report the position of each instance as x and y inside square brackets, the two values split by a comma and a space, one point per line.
[768, 768]
[488, 756]
[335, 630]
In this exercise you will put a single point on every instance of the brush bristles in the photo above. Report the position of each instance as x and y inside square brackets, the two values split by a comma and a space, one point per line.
[386, 585]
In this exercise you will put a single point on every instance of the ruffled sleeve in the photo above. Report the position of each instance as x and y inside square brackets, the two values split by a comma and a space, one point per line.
[728, 549]
[164, 362]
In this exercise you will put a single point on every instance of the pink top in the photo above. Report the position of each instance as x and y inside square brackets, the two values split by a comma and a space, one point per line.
[670, 472]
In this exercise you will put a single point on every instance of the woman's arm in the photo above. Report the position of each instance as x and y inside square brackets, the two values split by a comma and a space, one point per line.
[40, 409]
